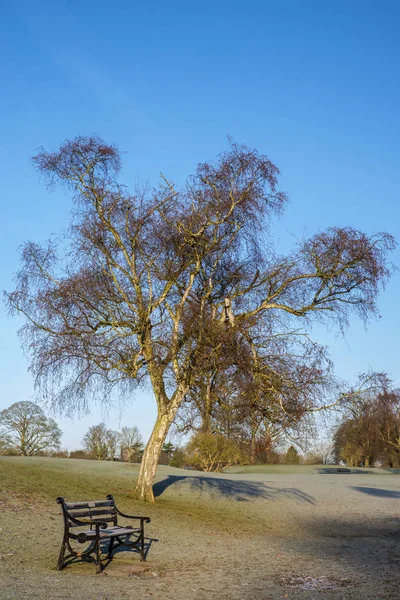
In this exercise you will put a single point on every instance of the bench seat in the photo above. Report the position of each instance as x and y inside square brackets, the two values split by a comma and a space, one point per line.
[115, 531]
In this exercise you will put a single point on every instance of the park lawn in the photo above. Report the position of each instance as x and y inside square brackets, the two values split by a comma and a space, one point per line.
[30, 516]
[39, 481]
[72, 478]
[235, 536]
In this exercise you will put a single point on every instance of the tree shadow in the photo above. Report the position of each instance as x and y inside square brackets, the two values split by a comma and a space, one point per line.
[355, 471]
[364, 550]
[343, 471]
[363, 542]
[377, 492]
[240, 491]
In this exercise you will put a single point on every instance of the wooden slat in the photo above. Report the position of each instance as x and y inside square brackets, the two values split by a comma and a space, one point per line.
[89, 504]
[90, 522]
[113, 532]
[77, 514]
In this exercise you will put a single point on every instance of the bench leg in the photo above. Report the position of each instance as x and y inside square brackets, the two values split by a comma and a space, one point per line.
[60, 564]
[110, 547]
[98, 561]
[142, 554]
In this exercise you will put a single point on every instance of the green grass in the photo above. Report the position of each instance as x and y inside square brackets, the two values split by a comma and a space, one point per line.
[35, 482]
[49, 478]
[197, 498]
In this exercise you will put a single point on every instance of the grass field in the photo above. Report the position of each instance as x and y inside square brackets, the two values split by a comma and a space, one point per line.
[263, 532]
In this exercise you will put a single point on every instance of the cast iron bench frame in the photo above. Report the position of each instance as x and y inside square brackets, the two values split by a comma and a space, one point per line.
[99, 514]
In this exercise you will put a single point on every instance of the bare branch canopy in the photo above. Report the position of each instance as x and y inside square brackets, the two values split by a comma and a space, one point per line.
[142, 285]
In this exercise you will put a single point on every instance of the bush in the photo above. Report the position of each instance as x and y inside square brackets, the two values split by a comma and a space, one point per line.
[61, 454]
[313, 458]
[269, 457]
[178, 458]
[212, 452]
[7, 451]
[80, 454]
[292, 456]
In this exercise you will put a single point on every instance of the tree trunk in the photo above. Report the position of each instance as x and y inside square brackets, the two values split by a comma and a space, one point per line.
[151, 455]
[206, 409]
[205, 426]
[253, 451]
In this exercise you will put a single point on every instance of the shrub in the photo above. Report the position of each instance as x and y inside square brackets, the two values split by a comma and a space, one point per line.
[7, 451]
[80, 454]
[292, 456]
[178, 458]
[313, 458]
[269, 457]
[61, 454]
[212, 452]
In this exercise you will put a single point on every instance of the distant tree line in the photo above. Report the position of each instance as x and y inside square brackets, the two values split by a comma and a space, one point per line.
[101, 443]
[368, 435]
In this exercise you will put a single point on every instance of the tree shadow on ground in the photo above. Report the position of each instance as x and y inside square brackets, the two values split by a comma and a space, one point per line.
[377, 492]
[364, 549]
[355, 471]
[360, 555]
[342, 471]
[240, 491]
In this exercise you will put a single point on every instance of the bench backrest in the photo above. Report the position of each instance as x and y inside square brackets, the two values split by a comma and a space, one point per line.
[93, 511]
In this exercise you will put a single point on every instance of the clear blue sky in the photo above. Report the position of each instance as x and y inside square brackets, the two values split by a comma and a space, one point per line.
[314, 85]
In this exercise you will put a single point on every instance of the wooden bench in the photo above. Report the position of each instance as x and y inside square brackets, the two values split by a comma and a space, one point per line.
[98, 520]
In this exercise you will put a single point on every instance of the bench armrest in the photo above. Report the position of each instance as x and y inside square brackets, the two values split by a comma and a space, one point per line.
[142, 519]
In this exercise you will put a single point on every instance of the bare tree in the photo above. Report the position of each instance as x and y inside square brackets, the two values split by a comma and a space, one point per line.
[370, 431]
[96, 442]
[113, 438]
[388, 416]
[141, 280]
[131, 444]
[25, 428]
[260, 387]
